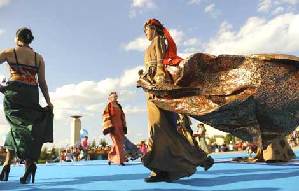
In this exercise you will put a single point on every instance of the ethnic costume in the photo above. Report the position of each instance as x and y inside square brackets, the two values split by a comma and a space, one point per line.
[172, 153]
[168, 149]
[114, 124]
[31, 125]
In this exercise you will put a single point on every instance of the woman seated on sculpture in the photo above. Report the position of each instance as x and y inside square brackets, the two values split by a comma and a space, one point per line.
[161, 53]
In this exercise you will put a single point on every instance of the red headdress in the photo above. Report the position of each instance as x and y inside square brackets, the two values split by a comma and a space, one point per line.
[171, 57]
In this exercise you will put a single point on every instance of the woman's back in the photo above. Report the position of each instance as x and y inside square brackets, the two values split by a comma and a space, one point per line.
[24, 64]
[25, 56]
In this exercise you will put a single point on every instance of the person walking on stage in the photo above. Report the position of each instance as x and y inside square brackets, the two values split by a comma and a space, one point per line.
[31, 125]
[114, 123]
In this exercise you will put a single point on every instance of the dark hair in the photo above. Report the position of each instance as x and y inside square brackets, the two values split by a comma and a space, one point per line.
[155, 24]
[24, 35]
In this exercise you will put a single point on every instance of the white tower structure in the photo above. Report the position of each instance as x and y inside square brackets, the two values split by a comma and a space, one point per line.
[75, 130]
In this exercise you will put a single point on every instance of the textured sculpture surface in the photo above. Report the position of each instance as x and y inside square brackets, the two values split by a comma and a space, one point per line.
[251, 97]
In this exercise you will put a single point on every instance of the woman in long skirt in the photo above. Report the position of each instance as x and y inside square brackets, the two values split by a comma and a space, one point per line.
[114, 123]
[171, 155]
[31, 125]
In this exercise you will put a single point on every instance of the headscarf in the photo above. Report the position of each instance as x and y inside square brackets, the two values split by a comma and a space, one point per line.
[170, 57]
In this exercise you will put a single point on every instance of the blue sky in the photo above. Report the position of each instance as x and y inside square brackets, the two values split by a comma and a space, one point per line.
[92, 47]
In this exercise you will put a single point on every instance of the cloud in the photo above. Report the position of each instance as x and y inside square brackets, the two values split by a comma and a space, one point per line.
[291, 2]
[129, 77]
[191, 42]
[210, 8]
[86, 96]
[139, 6]
[194, 2]
[277, 6]
[177, 35]
[138, 44]
[212, 11]
[4, 3]
[258, 35]
[1, 31]
[278, 11]
[264, 5]
[142, 3]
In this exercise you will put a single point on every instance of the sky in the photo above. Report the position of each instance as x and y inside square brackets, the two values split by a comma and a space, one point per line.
[93, 47]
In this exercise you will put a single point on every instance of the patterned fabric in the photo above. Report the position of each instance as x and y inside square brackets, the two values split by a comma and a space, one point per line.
[31, 125]
[23, 73]
[107, 119]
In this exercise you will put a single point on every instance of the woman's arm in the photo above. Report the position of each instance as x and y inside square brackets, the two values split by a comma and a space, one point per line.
[160, 75]
[3, 56]
[42, 81]
[160, 49]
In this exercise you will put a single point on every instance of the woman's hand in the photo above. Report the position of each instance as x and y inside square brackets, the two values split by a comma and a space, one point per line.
[50, 105]
[152, 71]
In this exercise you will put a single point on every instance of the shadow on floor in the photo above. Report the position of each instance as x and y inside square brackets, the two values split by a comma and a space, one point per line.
[12, 185]
[246, 189]
[223, 180]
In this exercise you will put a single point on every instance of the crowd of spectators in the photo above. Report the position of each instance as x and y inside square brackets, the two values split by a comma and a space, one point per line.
[85, 151]
[237, 146]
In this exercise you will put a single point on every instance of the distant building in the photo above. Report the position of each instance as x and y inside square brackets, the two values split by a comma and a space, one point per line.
[75, 130]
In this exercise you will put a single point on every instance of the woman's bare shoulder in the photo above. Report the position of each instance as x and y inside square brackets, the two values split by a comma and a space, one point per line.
[6, 54]
[40, 58]
[7, 51]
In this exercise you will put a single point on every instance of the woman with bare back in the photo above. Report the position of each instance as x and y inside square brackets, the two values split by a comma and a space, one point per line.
[31, 125]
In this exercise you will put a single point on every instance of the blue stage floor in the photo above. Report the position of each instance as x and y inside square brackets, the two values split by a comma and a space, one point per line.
[97, 175]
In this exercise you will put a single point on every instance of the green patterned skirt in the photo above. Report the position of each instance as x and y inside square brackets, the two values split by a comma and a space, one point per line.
[31, 125]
